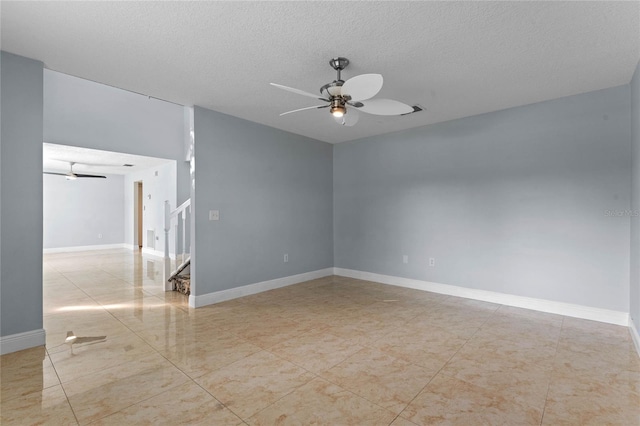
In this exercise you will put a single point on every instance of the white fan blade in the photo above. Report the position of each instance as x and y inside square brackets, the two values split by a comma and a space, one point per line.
[298, 91]
[303, 109]
[362, 86]
[350, 118]
[385, 107]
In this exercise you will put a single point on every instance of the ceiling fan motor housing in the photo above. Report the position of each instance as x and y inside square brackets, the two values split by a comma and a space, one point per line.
[338, 108]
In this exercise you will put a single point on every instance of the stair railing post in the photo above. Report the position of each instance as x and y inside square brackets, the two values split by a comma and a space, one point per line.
[184, 235]
[167, 259]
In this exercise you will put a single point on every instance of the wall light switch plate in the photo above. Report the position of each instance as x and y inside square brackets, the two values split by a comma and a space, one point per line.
[214, 214]
[286, 258]
[405, 258]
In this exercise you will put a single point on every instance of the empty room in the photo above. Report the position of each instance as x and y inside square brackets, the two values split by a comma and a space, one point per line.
[339, 213]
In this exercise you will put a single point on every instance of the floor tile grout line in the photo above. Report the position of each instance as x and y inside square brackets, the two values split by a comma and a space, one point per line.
[75, 416]
[446, 363]
[137, 402]
[555, 356]
[214, 397]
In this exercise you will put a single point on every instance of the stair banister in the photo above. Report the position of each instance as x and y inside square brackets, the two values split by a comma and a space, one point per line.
[180, 214]
[167, 258]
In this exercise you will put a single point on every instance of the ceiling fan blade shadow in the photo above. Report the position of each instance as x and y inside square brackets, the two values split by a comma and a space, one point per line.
[361, 87]
[298, 91]
[304, 109]
[385, 107]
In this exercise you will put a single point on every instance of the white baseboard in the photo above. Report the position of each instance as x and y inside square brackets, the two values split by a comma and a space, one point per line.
[155, 253]
[246, 290]
[549, 306]
[634, 335]
[20, 341]
[85, 248]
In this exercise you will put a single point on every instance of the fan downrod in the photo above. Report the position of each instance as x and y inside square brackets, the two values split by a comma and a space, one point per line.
[339, 64]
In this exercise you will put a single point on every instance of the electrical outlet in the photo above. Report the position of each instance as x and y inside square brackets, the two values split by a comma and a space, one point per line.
[214, 214]
[432, 261]
[405, 258]
[286, 258]
[99, 235]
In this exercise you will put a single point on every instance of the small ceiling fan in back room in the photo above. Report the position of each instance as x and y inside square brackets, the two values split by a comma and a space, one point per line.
[73, 176]
[346, 98]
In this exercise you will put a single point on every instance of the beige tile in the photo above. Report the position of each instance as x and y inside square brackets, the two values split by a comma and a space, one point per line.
[364, 331]
[270, 331]
[49, 406]
[429, 348]
[523, 378]
[597, 359]
[316, 351]
[380, 378]
[527, 348]
[582, 346]
[460, 322]
[447, 401]
[86, 359]
[63, 304]
[25, 372]
[92, 322]
[593, 396]
[146, 312]
[113, 389]
[522, 328]
[254, 382]
[116, 296]
[187, 404]
[400, 421]
[207, 353]
[322, 403]
[521, 313]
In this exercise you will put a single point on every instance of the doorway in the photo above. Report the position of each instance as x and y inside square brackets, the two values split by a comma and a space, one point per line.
[138, 208]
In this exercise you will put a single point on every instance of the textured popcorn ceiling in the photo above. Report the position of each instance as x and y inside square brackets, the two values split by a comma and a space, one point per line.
[456, 59]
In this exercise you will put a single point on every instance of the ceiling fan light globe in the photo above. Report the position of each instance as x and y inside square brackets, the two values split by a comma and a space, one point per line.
[334, 90]
[338, 111]
[70, 177]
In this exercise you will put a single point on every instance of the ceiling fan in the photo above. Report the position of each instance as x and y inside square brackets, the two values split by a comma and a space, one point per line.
[73, 176]
[346, 98]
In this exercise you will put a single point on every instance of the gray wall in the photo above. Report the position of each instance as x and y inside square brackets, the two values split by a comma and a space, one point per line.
[514, 201]
[83, 113]
[274, 193]
[76, 212]
[635, 199]
[21, 193]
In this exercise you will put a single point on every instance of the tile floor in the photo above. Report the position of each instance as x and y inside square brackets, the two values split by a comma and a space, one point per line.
[333, 351]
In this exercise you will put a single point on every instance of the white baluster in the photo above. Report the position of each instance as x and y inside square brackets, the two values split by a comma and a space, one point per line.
[167, 259]
[184, 234]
